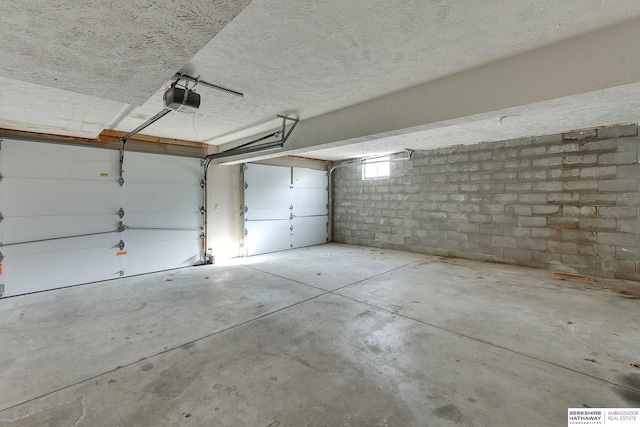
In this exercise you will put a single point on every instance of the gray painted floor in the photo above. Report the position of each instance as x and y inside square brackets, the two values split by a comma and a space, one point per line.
[332, 335]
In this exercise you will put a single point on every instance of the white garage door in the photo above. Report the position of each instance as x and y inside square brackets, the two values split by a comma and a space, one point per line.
[285, 207]
[62, 208]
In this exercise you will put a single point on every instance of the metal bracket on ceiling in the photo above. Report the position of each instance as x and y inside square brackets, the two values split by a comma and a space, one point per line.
[253, 146]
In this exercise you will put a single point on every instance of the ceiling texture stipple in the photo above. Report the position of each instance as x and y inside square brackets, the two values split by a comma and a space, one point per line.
[118, 49]
[76, 67]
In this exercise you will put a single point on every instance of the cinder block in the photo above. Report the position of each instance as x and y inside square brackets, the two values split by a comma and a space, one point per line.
[536, 175]
[629, 171]
[563, 174]
[627, 226]
[616, 239]
[580, 186]
[618, 131]
[505, 176]
[503, 198]
[546, 162]
[598, 199]
[504, 242]
[505, 153]
[546, 233]
[629, 144]
[518, 210]
[468, 228]
[480, 239]
[547, 139]
[480, 176]
[602, 146]
[504, 219]
[518, 142]
[517, 164]
[579, 211]
[580, 161]
[628, 199]
[631, 253]
[479, 218]
[492, 209]
[533, 151]
[517, 231]
[618, 212]
[517, 186]
[492, 229]
[547, 186]
[454, 235]
[598, 224]
[581, 135]
[558, 222]
[563, 148]
[563, 198]
[528, 221]
[562, 247]
[608, 172]
[468, 188]
[492, 166]
[618, 185]
[492, 188]
[533, 244]
[618, 158]
[533, 199]
[579, 236]
[481, 156]
[545, 210]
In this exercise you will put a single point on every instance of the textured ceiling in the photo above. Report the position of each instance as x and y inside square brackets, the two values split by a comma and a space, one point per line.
[117, 49]
[77, 67]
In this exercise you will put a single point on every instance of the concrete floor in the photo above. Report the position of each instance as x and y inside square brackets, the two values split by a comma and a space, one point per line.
[332, 335]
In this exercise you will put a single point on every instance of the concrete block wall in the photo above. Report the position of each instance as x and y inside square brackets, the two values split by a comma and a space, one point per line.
[568, 201]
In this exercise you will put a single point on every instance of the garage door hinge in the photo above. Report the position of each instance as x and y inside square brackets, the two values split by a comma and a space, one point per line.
[291, 228]
[1, 257]
[120, 244]
[121, 181]
[202, 183]
[121, 213]
[246, 231]
[1, 217]
[0, 177]
[121, 227]
[121, 272]
[291, 207]
[246, 208]
[246, 185]
[202, 210]
[1, 290]
[291, 216]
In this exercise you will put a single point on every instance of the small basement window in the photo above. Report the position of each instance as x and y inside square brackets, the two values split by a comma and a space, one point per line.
[377, 168]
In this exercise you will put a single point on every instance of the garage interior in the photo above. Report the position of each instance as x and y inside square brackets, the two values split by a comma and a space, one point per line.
[323, 213]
